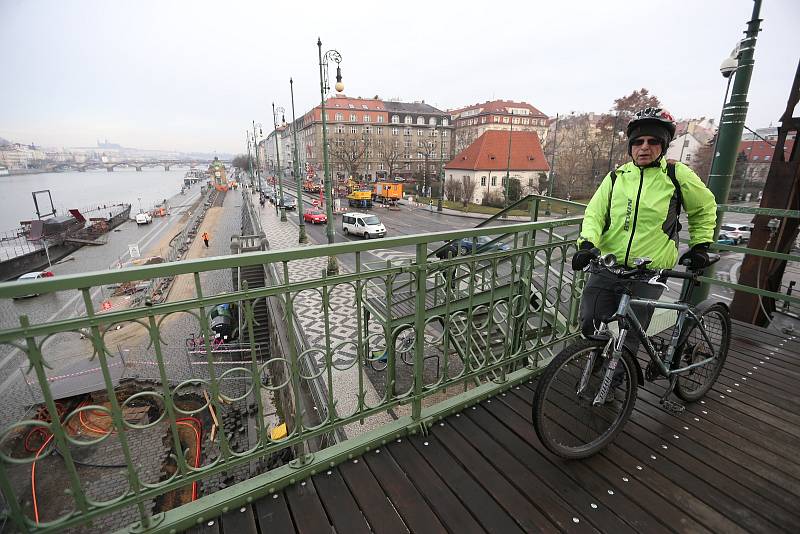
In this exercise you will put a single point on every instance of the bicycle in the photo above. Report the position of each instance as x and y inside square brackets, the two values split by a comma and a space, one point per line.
[588, 391]
[197, 344]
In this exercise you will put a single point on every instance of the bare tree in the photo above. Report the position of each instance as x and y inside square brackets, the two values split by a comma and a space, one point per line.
[390, 156]
[468, 185]
[427, 149]
[350, 150]
[453, 189]
[463, 139]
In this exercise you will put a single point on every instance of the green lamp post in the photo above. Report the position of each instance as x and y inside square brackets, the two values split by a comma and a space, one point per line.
[333, 267]
[303, 238]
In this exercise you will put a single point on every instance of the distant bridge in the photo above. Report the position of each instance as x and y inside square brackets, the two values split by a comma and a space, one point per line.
[139, 165]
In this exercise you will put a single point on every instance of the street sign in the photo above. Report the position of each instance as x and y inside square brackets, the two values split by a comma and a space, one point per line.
[133, 250]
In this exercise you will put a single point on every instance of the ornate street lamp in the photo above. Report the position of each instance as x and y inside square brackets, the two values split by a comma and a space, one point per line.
[279, 200]
[302, 238]
[333, 267]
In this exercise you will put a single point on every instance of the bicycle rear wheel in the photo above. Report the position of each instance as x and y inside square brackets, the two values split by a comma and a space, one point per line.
[564, 418]
[695, 383]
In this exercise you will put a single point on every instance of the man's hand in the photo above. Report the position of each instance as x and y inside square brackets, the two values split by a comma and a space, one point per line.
[585, 254]
[696, 257]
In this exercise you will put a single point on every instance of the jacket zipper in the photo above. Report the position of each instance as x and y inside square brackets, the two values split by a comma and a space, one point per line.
[635, 214]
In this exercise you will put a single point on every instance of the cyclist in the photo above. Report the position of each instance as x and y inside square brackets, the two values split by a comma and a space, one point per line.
[634, 214]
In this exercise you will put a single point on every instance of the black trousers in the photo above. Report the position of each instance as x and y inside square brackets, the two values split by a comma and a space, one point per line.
[601, 298]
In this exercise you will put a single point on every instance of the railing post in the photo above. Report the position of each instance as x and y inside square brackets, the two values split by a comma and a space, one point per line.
[419, 327]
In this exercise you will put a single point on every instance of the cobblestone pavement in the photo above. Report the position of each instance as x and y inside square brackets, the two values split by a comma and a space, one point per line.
[342, 324]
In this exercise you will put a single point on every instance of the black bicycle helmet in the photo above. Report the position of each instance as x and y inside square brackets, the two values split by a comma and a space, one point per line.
[657, 122]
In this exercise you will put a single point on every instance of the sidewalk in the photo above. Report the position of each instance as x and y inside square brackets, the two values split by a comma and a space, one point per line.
[343, 324]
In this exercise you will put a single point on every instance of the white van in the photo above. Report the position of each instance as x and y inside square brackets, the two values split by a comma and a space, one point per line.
[363, 224]
[143, 218]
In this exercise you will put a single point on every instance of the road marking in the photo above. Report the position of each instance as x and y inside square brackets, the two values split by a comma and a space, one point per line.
[720, 296]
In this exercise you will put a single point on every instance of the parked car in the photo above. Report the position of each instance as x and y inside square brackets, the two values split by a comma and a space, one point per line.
[464, 246]
[738, 232]
[36, 275]
[315, 217]
[143, 218]
[725, 239]
[289, 203]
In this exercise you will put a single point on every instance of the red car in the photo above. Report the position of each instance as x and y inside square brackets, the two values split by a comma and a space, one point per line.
[314, 217]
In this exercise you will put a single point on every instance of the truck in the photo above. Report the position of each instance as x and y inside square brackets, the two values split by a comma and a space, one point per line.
[360, 199]
[387, 192]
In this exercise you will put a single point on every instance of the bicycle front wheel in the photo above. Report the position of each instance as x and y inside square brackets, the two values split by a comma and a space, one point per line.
[564, 416]
[695, 383]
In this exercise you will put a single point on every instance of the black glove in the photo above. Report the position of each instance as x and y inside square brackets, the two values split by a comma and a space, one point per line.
[585, 254]
[696, 257]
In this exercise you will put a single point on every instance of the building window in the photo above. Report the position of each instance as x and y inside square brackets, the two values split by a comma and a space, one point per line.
[367, 117]
[420, 166]
[396, 144]
[367, 130]
[432, 121]
[353, 117]
[496, 118]
[444, 133]
[340, 128]
[379, 130]
[483, 181]
[380, 165]
[494, 181]
[409, 120]
[353, 129]
[420, 120]
[530, 182]
[445, 122]
[407, 131]
[395, 119]
[380, 118]
[505, 120]
[420, 131]
[395, 131]
[339, 117]
[408, 166]
[351, 106]
[408, 143]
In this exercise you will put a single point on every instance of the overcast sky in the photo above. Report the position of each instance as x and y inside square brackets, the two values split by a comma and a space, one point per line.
[192, 75]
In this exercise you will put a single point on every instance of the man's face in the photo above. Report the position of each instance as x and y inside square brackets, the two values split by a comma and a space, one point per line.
[645, 150]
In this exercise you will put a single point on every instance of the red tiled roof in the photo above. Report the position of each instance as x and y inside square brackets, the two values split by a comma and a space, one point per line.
[762, 151]
[490, 152]
[498, 106]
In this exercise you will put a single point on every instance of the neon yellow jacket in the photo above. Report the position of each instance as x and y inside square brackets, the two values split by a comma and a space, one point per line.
[643, 215]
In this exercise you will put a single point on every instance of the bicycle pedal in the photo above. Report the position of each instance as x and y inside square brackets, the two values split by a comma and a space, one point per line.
[673, 407]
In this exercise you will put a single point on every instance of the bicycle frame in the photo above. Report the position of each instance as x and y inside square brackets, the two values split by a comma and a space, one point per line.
[625, 317]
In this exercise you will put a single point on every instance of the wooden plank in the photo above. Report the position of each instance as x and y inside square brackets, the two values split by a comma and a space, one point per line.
[307, 511]
[770, 480]
[210, 526]
[529, 472]
[743, 426]
[272, 513]
[380, 514]
[450, 511]
[684, 472]
[404, 496]
[239, 521]
[484, 504]
[633, 502]
[340, 504]
[516, 503]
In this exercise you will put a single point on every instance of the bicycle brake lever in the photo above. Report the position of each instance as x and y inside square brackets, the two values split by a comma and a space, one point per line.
[655, 281]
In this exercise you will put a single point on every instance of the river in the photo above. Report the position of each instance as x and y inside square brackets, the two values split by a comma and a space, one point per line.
[84, 189]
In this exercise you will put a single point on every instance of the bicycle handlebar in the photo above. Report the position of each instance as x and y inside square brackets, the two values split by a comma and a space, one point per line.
[608, 263]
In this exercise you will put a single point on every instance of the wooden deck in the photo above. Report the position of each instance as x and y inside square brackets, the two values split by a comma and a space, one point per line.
[728, 464]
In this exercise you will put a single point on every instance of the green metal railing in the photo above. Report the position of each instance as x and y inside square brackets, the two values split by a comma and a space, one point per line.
[494, 327]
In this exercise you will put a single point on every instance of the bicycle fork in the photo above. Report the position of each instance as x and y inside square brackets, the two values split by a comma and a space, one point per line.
[608, 377]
